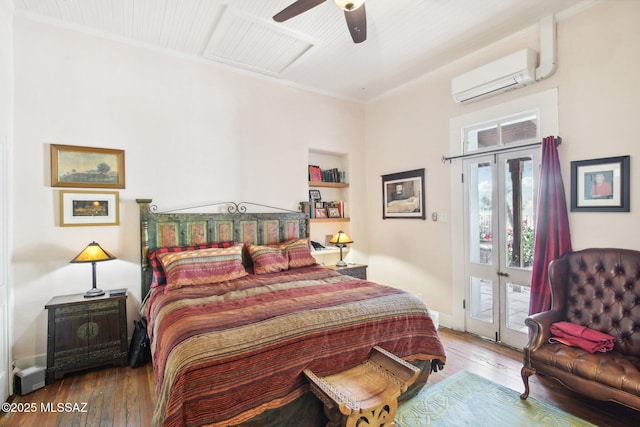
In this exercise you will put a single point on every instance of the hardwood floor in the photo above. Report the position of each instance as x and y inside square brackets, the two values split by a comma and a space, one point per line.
[125, 397]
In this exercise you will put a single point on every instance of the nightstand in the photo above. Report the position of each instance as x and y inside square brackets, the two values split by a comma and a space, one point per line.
[85, 333]
[359, 271]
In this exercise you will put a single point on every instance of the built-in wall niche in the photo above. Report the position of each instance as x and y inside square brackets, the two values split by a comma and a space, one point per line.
[328, 200]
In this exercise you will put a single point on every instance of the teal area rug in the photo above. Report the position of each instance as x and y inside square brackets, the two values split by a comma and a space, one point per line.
[467, 399]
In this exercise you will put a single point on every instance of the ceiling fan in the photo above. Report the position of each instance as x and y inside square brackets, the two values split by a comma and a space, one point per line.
[354, 13]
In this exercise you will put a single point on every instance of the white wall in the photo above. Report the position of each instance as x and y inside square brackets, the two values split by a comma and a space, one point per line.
[6, 65]
[599, 89]
[192, 133]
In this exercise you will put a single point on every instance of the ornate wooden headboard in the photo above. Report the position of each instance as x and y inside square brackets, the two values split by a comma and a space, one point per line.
[171, 228]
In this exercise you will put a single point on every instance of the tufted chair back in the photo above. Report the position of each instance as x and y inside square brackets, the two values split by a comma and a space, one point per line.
[600, 289]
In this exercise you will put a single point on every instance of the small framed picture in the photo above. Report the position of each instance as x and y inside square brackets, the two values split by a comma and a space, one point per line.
[600, 185]
[89, 208]
[73, 166]
[333, 212]
[321, 213]
[315, 195]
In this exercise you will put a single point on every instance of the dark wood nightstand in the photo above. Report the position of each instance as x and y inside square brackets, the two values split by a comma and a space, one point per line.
[359, 271]
[85, 333]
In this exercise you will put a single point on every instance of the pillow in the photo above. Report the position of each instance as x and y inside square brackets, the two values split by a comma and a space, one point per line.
[298, 253]
[267, 259]
[202, 266]
[158, 276]
[274, 258]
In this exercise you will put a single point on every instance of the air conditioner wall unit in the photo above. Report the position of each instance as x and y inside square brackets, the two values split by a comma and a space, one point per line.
[507, 73]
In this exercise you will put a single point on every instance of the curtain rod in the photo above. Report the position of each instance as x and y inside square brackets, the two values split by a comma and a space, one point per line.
[444, 159]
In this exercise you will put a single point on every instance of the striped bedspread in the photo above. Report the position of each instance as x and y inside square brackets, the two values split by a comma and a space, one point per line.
[226, 352]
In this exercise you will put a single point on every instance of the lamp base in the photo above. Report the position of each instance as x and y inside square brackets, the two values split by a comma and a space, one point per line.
[93, 292]
[341, 264]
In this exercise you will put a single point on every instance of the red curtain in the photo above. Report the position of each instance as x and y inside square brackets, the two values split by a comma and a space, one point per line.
[552, 236]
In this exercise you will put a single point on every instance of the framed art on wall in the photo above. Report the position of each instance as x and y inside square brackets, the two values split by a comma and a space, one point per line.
[600, 185]
[73, 166]
[89, 208]
[403, 195]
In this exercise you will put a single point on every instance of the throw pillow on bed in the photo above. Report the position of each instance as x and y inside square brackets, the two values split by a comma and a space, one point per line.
[202, 266]
[158, 276]
[298, 253]
[293, 253]
[267, 259]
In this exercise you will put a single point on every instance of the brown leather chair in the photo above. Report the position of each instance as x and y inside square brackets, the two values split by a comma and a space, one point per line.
[600, 289]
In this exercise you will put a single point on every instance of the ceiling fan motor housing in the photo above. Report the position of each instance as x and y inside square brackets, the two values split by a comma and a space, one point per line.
[348, 5]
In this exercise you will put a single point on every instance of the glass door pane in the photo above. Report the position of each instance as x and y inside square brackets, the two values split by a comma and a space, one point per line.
[480, 213]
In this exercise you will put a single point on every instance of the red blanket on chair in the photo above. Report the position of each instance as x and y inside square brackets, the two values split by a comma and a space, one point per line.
[581, 336]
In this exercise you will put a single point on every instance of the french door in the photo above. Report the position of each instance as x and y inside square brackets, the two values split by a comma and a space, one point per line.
[499, 208]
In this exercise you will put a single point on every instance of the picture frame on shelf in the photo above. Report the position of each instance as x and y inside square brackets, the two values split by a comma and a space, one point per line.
[333, 212]
[600, 185]
[320, 213]
[403, 195]
[83, 208]
[315, 195]
[86, 167]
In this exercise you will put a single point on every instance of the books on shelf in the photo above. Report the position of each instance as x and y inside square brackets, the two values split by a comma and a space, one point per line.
[316, 174]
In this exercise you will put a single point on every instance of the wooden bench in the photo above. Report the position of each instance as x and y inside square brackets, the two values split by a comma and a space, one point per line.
[366, 394]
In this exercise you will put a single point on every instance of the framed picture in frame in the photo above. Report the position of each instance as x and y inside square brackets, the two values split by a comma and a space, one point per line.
[79, 208]
[86, 167]
[321, 213]
[315, 195]
[403, 195]
[333, 212]
[600, 185]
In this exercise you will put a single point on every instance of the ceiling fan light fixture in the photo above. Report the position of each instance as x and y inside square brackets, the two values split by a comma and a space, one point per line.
[348, 5]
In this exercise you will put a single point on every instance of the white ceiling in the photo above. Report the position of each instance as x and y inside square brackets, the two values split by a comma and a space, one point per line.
[405, 38]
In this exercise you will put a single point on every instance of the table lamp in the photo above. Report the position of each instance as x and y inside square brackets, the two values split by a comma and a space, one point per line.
[93, 253]
[340, 240]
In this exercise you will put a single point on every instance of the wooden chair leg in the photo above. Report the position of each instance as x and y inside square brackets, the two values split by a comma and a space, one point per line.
[526, 373]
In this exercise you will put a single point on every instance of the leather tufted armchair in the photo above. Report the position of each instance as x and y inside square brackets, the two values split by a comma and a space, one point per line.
[599, 289]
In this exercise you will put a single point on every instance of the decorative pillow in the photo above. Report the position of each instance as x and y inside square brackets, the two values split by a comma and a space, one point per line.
[158, 276]
[293, 253]
[202, 266]
[268, 259]
[298, 253]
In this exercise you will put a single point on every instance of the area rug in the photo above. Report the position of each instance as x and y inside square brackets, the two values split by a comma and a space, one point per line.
[467, 399]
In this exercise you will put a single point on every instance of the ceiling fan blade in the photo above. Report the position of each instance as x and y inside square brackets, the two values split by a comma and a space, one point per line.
[295, 9]
[357, 23]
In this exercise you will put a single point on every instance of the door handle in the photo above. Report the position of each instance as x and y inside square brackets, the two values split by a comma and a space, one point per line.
[500, 273]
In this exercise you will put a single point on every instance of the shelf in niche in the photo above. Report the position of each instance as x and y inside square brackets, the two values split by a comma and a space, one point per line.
[330, 219]
[320, 184]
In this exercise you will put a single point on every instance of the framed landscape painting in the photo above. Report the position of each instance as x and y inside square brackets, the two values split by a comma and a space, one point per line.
[74, 166]
[89, 208]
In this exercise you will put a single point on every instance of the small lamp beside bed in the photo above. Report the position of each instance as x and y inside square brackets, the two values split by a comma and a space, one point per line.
[341, 239]
[93, 253]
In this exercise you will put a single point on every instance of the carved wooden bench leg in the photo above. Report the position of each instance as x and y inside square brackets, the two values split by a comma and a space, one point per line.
[526, 373]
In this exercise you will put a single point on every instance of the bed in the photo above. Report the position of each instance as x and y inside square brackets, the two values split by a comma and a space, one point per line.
[237, 308]
[411, 204]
